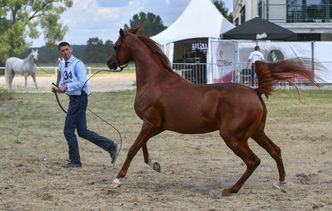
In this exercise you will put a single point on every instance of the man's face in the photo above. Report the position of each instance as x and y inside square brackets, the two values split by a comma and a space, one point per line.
[65, 52]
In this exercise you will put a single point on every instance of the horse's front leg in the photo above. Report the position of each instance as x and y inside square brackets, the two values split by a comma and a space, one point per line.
[152, 163]
[145, 134]
[33, 75]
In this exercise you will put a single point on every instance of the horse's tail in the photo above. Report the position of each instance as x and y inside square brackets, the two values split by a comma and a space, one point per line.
[9, 73]
[286, 70]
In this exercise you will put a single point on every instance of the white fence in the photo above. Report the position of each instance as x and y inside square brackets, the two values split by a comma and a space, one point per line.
[55, 69]
[197, 73]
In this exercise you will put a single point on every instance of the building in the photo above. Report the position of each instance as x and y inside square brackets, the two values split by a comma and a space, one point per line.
[311, 20]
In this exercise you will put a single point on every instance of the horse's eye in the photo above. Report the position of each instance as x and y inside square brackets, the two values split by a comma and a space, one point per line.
[115, 47]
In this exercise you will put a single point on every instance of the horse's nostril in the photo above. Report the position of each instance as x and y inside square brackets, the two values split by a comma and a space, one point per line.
[111, 64]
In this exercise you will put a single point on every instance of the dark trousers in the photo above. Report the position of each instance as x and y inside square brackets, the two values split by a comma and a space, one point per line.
[76, 119]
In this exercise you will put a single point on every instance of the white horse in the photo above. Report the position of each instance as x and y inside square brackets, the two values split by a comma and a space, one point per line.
[24, 67]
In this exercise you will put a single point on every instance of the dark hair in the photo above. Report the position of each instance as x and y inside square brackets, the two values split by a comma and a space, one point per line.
[61, 44]
[256, 47]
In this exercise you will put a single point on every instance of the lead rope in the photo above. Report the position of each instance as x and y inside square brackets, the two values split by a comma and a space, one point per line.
[102, 119]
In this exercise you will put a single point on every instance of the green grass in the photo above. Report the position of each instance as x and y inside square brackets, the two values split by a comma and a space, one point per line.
[41, 108]
[39, 112]
[4, 95]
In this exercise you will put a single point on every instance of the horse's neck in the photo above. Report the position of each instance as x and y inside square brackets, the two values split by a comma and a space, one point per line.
[148, 68]
[29, 59]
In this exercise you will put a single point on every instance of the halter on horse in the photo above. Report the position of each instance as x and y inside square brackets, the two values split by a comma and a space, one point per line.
[166, 101]
[25, 67]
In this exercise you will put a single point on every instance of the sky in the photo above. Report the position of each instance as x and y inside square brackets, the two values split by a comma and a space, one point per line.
[103, 18]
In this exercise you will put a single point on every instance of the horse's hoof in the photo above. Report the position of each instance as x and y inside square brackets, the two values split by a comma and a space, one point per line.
[279, 185]
[227, 192]
[155, 165]
[117, 182]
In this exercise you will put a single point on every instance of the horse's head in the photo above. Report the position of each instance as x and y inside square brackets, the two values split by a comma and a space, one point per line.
[34, 53]
[121, 55]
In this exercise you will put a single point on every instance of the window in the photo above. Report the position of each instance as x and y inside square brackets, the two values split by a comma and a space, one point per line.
[260, 9]
[309, 10]
[329, 11]
[243, 14]
[316, 10]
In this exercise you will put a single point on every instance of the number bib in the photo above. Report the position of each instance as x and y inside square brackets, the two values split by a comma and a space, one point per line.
[68, 73]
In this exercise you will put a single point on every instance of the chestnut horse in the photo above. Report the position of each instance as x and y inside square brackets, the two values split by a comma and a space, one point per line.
[166, 101]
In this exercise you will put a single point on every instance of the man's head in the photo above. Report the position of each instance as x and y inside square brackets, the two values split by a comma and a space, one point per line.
[65, 50]
[257, 48]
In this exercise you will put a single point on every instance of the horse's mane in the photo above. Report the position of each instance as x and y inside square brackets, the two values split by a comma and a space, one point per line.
[154, 48]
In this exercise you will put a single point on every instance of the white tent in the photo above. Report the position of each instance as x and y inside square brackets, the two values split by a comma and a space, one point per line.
[200, 19]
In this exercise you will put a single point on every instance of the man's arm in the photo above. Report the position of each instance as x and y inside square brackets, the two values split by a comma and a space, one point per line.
[248, 63]
[58, 78]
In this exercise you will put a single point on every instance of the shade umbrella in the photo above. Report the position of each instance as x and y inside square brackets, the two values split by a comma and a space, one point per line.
[259, 29]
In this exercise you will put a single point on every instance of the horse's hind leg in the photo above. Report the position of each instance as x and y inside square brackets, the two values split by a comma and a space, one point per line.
[152, 163]
[275, 152]
[241, 149]
[33, 75]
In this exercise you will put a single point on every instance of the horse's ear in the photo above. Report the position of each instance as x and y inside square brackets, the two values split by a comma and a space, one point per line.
[121, 33]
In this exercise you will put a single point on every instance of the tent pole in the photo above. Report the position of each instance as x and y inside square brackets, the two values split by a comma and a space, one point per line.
[313, 55]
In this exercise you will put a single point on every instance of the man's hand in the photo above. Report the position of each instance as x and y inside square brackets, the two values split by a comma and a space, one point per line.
[60, 89]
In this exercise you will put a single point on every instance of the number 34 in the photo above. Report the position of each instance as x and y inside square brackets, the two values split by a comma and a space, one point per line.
[67, 75]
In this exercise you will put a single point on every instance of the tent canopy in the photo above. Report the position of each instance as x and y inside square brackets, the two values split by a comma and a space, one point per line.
[200, 19]
[259, 29]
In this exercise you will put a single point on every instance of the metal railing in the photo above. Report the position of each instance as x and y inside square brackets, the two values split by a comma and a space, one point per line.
[197, 73]
[194, 72]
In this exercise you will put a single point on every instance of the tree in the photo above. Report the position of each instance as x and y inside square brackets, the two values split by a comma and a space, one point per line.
[151, 24]
[223, 10]
[21, 20]
[97, 52]
[109, 48]
[94, 50]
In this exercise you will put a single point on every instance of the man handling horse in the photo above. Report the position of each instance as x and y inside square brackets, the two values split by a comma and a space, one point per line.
[73, 82]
